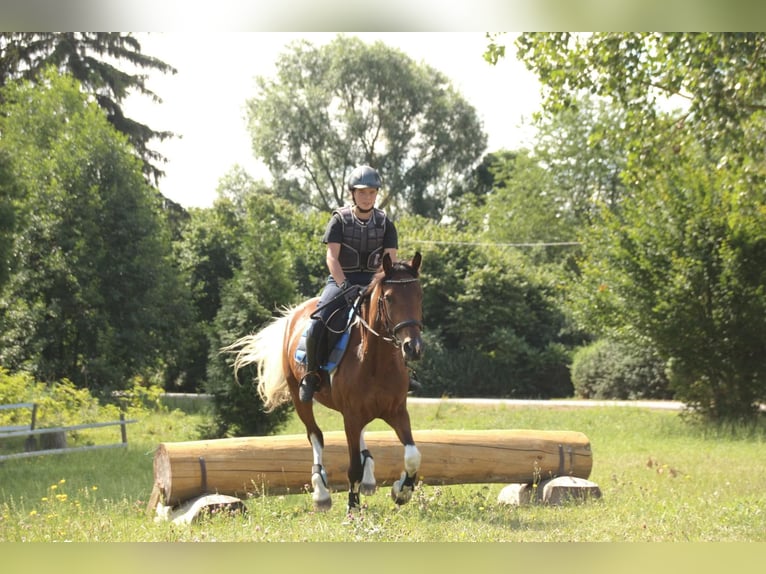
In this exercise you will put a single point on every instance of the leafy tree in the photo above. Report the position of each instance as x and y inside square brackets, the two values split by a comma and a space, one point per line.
[679, 263]
[525, 206]
[333, 107]
[493, 326]
[93, 295]
[208, 255]
[91, 58]
[583, 149]
[9, 192]
[259, 288]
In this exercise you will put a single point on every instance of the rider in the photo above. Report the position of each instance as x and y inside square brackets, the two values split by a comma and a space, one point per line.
[357, 237]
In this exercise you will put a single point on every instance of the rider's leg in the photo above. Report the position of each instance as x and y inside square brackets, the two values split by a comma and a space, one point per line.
[311, 380]
[316, 341]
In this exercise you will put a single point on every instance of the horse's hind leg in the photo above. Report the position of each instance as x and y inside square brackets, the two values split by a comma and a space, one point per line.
[321, 492]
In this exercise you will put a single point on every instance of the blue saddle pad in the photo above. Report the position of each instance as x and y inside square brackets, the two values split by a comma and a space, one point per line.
[337, 351]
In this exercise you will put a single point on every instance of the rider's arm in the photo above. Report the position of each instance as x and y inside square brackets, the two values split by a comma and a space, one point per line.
[333, 263]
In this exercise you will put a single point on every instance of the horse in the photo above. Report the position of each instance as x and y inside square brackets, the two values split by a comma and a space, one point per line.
[370, 382]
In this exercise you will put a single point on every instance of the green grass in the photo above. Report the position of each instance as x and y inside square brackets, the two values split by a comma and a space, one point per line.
[661, 479]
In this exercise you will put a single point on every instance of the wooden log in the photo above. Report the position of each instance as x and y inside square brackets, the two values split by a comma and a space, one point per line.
[282, 464]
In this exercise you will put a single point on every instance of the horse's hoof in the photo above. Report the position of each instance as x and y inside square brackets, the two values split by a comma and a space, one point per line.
[321, 494]
[401, 497]
[322, 504]
[401, 493]
[368, 489]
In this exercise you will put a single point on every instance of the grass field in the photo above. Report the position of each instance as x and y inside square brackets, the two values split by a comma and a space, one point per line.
[662, 480]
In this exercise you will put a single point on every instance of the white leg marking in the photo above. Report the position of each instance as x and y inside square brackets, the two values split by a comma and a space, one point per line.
[400, 492]
[369, 484]
[317, 449]
[412, 459]
[321, 495]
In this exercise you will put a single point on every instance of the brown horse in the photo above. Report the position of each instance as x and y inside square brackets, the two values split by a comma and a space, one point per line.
[371, 382]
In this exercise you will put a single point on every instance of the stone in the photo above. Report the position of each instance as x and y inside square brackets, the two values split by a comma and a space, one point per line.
[191, 510]
[552, 491]
[566, 488]
[517, 494]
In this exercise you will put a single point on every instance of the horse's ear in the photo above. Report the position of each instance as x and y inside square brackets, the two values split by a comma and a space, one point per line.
[416, 261]
[387, 263]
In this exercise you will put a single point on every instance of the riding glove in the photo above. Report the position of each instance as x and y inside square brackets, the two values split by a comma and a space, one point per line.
[350, 292]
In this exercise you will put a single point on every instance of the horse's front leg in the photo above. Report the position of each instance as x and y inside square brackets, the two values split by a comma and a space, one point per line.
[354, 439]
[402, 489]
[369, 484]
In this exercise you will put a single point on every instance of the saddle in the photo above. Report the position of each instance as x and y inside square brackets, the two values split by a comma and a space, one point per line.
[337, 343]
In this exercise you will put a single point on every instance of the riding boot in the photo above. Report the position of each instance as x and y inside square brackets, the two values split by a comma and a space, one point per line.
[309, 385]
[311, 381]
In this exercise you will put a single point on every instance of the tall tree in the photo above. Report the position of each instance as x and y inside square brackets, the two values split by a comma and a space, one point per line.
[93, 295]
[681, 262]
[583, 148]
[333, 107]
[9, 196]
[260, 286]
[92, 59]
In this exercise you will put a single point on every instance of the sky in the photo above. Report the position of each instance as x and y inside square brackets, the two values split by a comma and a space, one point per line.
[204, 103]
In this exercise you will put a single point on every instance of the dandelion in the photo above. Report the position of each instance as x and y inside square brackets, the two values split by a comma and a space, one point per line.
[61, 497]
[62, 481]
[33, 513]
[54, 486]
[44, 499]
[94, 488]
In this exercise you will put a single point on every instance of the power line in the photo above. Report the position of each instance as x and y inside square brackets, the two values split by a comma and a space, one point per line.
[486, 244]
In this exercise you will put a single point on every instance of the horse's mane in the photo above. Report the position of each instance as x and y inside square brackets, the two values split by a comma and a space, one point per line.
[370, 307]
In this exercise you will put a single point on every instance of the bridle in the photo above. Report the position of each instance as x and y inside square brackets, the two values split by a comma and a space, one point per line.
[391, 336]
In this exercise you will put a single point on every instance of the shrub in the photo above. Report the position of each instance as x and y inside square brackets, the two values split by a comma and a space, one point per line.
[610, 369]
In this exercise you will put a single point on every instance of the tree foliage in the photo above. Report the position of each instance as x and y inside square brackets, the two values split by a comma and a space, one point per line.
[91, 58]
[680, 262]
[9, 196]
[262, 284]
[493, 324]
[93, 295]
[347, 103]
[583, 150]
[612, 369]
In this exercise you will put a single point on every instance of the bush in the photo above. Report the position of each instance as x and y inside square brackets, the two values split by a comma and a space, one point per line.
[609, 369]
[62, 403]
[531, 374]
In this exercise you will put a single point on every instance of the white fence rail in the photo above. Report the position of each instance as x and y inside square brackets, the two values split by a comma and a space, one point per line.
[29, 431]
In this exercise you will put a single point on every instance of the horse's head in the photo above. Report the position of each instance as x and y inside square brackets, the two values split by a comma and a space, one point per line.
[400, 305]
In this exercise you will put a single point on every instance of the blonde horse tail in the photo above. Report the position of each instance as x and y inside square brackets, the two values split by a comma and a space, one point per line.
[265, 350]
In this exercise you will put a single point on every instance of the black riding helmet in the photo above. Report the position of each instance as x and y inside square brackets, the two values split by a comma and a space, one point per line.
[362, 177]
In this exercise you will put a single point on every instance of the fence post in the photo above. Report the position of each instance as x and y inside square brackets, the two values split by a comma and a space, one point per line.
[123, 429]
[34, 417]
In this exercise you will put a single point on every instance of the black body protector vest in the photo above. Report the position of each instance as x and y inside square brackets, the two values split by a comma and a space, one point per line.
[362, 247]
